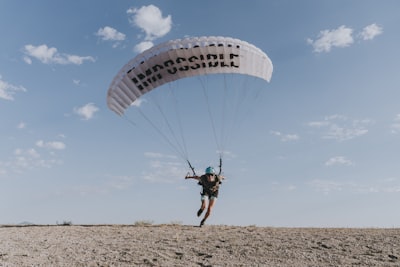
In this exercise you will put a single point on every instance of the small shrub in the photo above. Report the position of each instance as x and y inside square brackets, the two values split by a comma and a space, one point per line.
[176, 223]
[65, 223]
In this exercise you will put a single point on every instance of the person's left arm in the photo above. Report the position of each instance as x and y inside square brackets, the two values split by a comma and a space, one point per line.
[220, 178]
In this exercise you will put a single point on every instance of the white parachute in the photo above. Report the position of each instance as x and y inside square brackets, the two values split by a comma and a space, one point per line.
[182, 58]
[201, 59]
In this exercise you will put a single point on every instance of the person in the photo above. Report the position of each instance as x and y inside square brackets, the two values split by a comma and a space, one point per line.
[210, 182]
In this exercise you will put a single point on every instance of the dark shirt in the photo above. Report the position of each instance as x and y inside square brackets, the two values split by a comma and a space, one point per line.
[210, 188]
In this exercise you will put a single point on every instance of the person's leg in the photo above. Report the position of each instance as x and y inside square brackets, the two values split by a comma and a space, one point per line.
[203, 205]
[209, 210]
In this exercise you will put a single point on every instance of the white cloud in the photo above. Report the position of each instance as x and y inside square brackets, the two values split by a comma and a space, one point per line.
[21, 125]
[291, 188]
[29, 152]
[150, 20]
[8, 90]
[50, 55]
[371, 31]
[285, 137]
[105, 185]
[226, 154]
[163, 168]
[385, 185]
[25, 160]
[110, 34]
[121, 182]
[42, 53]
[318, 124]
[156, 155]
[27, 60]
[396, 125]
[327, 186]
[340, 160]
[51, 145]
[391, 185]
[342, 133]
[336, 117]
[87, 111]
[77, 60]
[340, 128]
[142, 46]
[340, 37]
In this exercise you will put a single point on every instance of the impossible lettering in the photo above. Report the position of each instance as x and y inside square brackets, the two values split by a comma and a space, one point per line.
[181, 63]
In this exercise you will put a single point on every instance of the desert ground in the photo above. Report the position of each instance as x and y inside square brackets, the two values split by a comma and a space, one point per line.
[183, 245]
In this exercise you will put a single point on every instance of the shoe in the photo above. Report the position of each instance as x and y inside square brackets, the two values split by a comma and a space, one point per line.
[199, 212]
[202, 222]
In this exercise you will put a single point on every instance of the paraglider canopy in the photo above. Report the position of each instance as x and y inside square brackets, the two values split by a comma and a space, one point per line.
[182, 58]
[201, 58]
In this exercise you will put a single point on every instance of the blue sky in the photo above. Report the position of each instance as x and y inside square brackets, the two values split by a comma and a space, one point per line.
[320, 147]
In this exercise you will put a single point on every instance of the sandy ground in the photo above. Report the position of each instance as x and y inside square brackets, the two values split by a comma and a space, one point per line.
[180, 245]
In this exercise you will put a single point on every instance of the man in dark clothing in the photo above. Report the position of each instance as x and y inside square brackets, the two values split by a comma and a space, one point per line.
[210, 183]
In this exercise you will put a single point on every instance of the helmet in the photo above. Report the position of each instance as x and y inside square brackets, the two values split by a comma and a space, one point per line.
[210, 170]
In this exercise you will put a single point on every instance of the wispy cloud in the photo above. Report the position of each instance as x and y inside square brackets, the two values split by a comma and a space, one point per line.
[395, 127]
[163, 168]
[327, 186]
[339, 160]
[371, 31]
[53, 145]
[7, 90]
[105, 185]
[389, 185]
[87, 111]
[21, 125]
[50, 55]
[282, 187]
[23, 160]
[121, 182]
[341, 128]
[342, 37]
[151, 21]
[157, 155]
[226, 154]
[108, 33]
[285, 137]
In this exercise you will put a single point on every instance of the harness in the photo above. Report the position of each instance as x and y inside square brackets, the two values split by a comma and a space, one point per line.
[209, 187]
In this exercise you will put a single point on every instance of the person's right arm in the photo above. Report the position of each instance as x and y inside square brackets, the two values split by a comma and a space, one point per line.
[192, 177]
